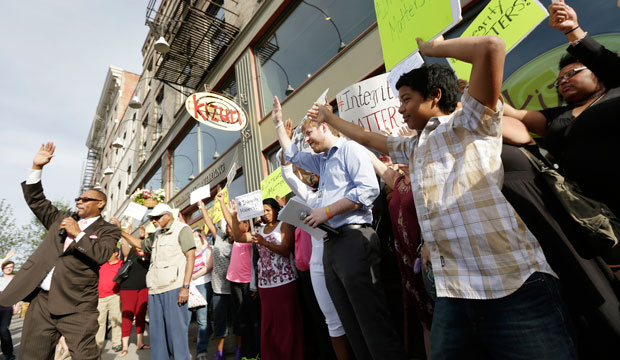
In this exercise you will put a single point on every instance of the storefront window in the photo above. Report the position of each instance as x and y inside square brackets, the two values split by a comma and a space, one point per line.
[154, 181]
[185, 161]
[312, 34]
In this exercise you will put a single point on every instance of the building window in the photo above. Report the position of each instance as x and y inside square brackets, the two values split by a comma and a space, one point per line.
[128, 176]
[143, 139]
[154, 181]
[273, 158]
[312, 33]
[185, 161]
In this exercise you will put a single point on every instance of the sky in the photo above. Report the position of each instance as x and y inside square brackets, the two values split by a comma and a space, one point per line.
[54, 60]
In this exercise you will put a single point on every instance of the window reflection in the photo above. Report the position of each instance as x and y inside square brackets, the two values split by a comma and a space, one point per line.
[309, 37]
[184, 161]
[154, 181]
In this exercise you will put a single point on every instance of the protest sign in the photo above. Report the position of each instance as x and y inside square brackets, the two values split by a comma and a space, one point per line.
[250, 205]
[511, 20]
[231, 173]
[274, 185]
[199, 194]
[371, 104]
[215, 211]
[401, 21]
[412, 61]
[135, 211]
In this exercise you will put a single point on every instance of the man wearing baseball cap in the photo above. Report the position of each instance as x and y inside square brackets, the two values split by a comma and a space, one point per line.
[172, 251]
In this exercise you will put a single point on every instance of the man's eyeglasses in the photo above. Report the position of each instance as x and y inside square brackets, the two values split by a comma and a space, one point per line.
[569, 74]
[86, 199]
[156, 217]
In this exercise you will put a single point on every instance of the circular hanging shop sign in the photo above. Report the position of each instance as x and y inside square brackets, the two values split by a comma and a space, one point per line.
[216, 111]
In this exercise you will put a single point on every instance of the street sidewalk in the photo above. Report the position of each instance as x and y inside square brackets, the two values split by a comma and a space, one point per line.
[108, 353]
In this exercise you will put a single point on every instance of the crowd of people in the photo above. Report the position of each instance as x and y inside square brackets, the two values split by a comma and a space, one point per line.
[490, 264]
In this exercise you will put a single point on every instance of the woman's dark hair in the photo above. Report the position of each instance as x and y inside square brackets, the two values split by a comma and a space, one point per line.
[274, 205]
[434, 76]
[567, 59]
[7, 263]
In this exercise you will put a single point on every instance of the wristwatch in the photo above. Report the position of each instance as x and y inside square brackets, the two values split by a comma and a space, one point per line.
[186, 286]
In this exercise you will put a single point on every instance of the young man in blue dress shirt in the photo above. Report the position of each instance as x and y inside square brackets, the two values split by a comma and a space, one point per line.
[347, 188]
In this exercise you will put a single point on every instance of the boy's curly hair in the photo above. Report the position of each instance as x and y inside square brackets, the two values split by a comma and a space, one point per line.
[434, 76]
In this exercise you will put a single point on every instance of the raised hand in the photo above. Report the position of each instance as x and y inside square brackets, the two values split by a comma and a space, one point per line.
[462, 85]
[319, 112]
[276, 111]
[115, 221]
[405, 132]
[142, 231]
[562, 17]
[10, 254]
[43, 157]
[288, 126]
[281, 201]
[427, 47]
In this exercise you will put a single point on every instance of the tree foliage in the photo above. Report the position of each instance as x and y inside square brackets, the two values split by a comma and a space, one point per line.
[8, 229]
[24, 239]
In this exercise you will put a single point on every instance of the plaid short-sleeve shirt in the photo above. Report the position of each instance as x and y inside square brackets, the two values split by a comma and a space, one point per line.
[480, 248]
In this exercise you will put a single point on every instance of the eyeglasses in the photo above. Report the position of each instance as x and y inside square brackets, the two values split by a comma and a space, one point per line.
[569, 74]
[156, 217]
[86, 199]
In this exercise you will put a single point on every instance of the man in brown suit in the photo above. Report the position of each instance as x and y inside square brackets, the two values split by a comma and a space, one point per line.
[60, 278]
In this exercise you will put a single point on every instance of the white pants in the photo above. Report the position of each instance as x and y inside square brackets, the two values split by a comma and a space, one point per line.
[317, 276]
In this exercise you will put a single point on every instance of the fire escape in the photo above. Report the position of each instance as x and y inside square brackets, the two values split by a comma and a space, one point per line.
[197, 38]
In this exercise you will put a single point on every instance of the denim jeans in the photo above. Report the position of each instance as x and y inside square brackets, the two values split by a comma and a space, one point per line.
[530, 323]
[221, 304]
[202, 319]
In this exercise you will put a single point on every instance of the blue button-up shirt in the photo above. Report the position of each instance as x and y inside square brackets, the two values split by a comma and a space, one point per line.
[346, 172]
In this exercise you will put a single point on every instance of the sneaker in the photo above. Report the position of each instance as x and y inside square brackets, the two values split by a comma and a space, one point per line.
[117, 348]
[219, 355]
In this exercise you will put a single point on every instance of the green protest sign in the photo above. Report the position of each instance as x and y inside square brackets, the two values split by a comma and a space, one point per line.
[511, 20]
[401, 21]
[274, 185]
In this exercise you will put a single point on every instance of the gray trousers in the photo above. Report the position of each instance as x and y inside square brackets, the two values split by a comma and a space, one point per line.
[168, 323]
[352, 260]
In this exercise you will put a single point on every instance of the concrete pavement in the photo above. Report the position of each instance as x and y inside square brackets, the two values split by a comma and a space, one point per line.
[109, 354]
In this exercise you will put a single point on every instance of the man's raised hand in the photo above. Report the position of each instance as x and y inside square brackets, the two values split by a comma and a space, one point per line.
[276, 112]
[43, 157]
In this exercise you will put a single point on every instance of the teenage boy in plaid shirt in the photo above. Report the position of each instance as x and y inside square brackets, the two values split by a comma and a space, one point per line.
[496, 294]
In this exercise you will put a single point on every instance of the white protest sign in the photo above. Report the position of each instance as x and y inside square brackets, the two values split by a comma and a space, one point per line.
[412, 61]
[250, 205]
[231, 173]
[371, 104]
[135, 211]
[321, 98]
[199, 194]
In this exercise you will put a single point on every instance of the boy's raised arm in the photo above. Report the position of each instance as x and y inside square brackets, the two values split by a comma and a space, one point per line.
[485, 53]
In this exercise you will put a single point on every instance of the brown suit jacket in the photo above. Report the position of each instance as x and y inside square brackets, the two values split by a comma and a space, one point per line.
[76, 277]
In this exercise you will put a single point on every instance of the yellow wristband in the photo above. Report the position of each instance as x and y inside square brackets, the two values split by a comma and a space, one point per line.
[329, 216]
